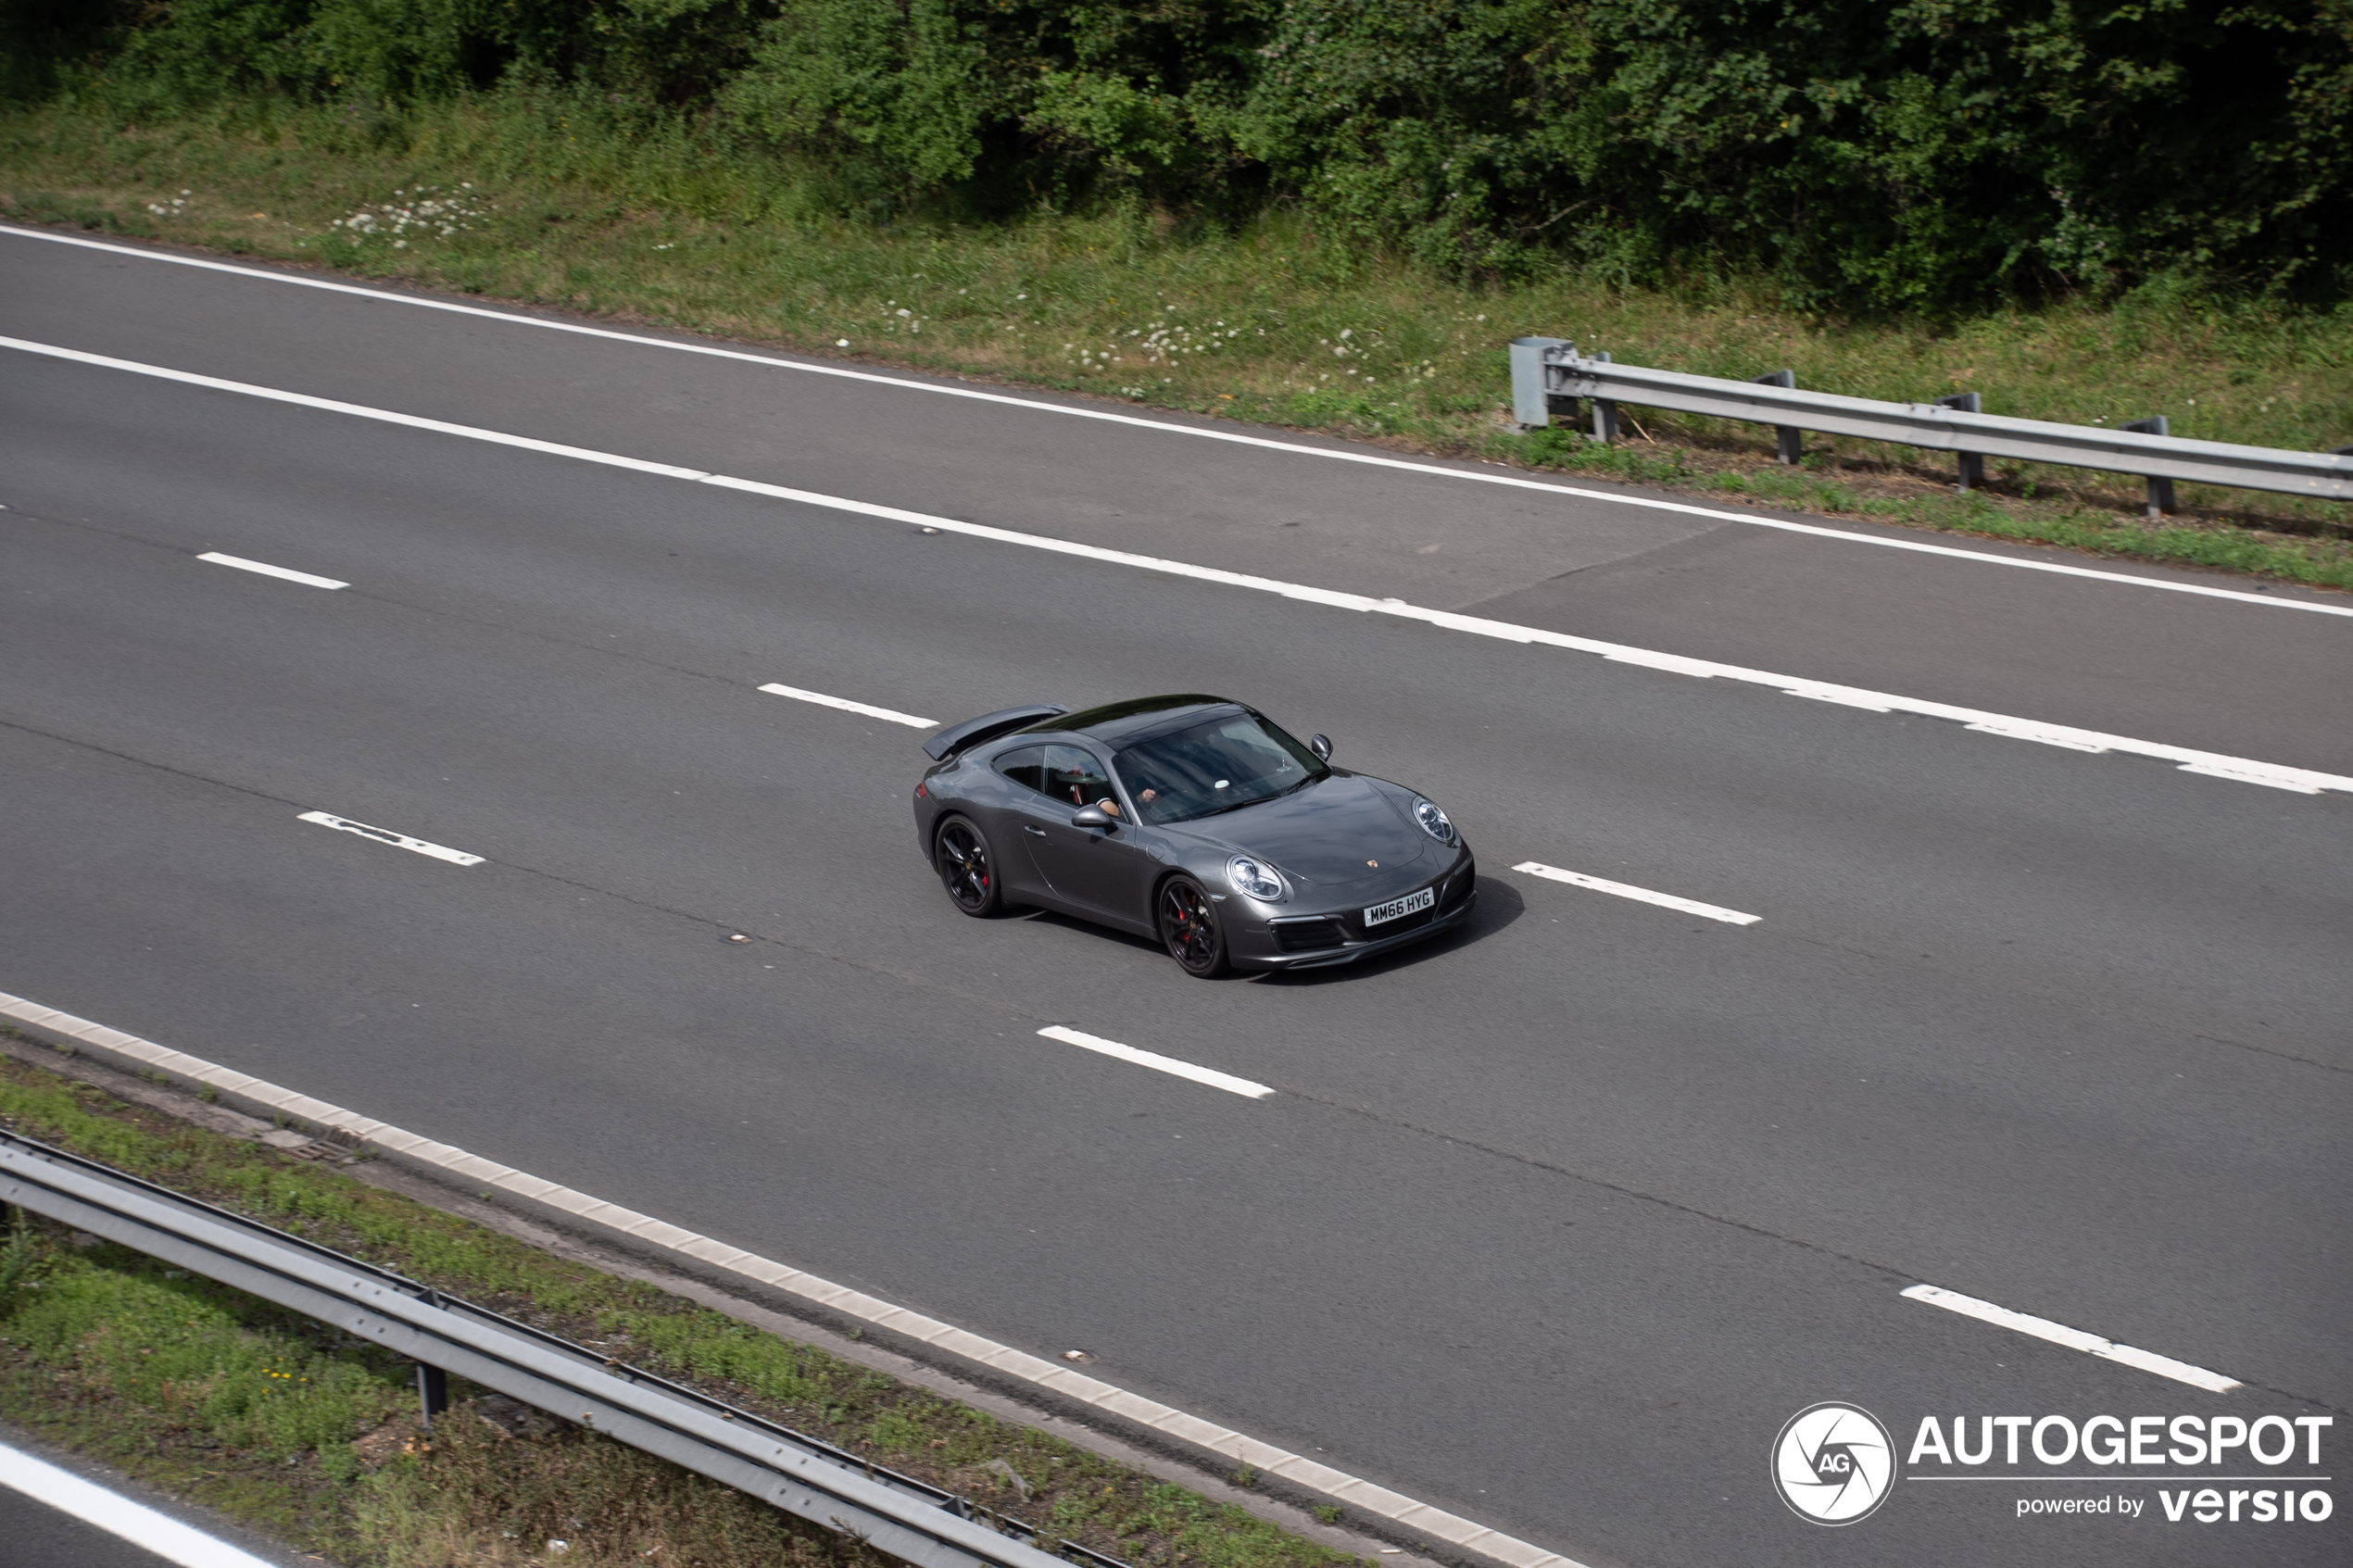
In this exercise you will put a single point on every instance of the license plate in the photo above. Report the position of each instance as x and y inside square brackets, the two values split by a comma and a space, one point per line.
[1396, 908]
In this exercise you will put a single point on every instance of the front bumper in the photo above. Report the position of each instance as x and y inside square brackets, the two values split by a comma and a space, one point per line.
[1312, 941]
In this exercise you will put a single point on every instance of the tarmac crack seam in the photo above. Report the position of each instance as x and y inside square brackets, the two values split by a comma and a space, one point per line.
[2188, 759]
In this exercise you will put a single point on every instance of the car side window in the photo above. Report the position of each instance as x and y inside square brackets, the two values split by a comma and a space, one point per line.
[1075, 778]
[1027, 767]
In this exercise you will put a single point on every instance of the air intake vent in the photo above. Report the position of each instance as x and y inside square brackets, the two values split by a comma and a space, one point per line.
[1306, 936]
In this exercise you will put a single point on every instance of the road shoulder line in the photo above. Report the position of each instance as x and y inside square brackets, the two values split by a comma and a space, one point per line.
[109, 1511]
[1062, 1380]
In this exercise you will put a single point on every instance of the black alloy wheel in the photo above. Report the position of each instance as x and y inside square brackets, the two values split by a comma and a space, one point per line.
[966, 868]
[1188, 925]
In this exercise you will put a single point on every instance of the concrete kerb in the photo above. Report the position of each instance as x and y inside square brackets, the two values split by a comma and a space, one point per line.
[1076, 1405]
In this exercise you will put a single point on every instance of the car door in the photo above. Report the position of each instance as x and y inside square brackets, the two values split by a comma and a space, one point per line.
[1104, 872]
[1017, 822]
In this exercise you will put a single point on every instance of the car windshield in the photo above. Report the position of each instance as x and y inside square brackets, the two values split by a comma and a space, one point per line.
[1214, 767]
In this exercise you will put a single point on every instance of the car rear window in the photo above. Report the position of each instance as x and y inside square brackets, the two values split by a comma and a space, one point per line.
[1026, 766]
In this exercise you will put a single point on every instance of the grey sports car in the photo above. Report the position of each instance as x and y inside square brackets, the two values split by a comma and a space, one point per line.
[1194, 820]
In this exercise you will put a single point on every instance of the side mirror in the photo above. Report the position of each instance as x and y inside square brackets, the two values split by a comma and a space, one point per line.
[1093, 817]
[1322, 746]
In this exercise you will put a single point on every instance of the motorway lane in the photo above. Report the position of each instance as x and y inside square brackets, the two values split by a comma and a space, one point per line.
[1558, 1356]
[1632, 1052]
[1635, 1052]
[2217, 675]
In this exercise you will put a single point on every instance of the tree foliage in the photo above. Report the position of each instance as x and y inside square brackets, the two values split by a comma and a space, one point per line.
[1924, 153]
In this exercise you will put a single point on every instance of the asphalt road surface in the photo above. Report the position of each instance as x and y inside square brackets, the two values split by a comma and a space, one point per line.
[1553, 1225]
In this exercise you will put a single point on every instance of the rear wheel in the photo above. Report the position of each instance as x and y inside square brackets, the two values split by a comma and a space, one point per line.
[1188, 925]
[966, 868]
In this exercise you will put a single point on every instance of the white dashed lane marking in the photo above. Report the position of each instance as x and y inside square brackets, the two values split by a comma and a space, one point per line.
[398, 840]
[1623, 890]
[2072, 1338]
[266, 570]
[1157, 1062]
[773, 689]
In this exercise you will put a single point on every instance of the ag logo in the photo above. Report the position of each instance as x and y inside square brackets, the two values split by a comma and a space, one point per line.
[1833, 1463]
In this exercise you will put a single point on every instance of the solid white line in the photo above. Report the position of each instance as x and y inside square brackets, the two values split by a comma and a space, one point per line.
[1624, 890]
[1166, 427]
[117, 1515]
[385, 835]
[2073, 1338]
[1158, 1062]
[1060, 1378]
[849, 707]
[2245, 769]
[268, 571]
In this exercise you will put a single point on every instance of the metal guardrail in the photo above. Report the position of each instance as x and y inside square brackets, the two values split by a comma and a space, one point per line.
[897, 1514]
[1548, 372]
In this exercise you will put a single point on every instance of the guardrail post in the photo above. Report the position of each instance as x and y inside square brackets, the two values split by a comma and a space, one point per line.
[1531, 401]
[2160, 490]
[433, 1383]
[1789, 442]
[432, 1392]
[1972, 463]
[1605, 412]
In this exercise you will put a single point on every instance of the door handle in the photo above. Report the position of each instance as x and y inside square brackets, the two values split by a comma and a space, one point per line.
[1033, 829]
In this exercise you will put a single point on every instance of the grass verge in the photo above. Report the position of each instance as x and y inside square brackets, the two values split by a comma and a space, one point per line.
[575, 203]
[310, 1436]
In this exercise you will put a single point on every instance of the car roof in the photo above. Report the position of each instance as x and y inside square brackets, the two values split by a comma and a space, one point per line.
[1124, 723]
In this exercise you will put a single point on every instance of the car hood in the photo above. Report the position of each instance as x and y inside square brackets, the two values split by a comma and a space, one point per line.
[1325, 833]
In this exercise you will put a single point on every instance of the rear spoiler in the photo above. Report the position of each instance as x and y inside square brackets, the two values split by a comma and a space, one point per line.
[972, 731]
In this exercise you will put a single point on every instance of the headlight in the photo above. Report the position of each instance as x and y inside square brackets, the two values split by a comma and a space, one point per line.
[1256, 878]
[1435, 823]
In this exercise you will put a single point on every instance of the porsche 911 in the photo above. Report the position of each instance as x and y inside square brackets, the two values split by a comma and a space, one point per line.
[1192, 819]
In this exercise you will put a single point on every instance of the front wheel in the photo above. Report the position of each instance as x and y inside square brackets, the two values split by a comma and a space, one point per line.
[966, 868]
[1188, 925]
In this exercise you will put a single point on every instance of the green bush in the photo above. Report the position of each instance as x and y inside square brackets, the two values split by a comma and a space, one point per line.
[1934, 154]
